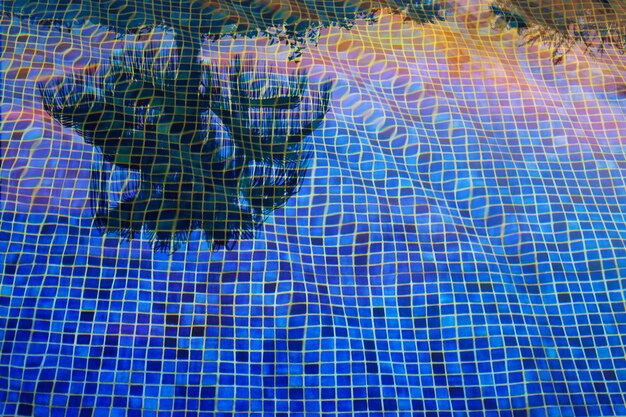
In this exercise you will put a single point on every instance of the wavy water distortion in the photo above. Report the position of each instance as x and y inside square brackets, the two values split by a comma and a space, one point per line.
[444, 235]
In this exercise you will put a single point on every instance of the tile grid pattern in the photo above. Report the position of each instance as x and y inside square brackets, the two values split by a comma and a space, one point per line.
[448, 253]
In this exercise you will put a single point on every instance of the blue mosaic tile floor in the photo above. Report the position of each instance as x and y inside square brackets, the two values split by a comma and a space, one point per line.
[475, 271]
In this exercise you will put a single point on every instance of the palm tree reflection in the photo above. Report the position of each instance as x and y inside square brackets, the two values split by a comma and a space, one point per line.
[216, 149]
